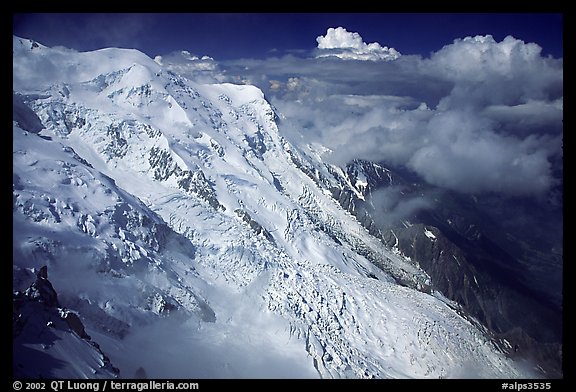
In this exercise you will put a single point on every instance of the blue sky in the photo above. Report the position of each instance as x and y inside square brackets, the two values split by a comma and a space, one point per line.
[227, 36]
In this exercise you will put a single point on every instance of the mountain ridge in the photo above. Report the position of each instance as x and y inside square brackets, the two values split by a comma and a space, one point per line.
[171, 204]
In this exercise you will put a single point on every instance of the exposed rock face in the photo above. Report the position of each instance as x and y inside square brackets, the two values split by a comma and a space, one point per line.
[75, 324]
[42, 291]
[255, 226]
[38, 317]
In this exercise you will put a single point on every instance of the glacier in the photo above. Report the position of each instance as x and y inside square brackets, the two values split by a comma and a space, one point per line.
[194, 241]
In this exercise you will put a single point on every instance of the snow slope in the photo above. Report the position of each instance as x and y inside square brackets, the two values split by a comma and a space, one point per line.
[194, 241]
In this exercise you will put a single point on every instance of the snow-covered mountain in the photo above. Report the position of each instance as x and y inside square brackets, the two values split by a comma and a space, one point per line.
[191, 239]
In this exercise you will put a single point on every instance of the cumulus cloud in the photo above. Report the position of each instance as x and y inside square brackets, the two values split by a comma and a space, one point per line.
[476, 116]
[485, 72]
[348, 45]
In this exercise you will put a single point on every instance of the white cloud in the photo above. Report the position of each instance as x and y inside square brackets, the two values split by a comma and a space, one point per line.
[275, 85]
[497, 129]
[350, 46]
[542, 117]
[293, 83]
[202, 69]
[484, 71]
[465, 154]
[392, 206]
[472, 59]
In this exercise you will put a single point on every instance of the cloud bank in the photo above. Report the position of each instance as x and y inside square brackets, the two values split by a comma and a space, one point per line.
[477, 116]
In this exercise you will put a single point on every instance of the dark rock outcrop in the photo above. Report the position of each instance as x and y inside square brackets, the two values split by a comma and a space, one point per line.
[42, 291]
[36, 313]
